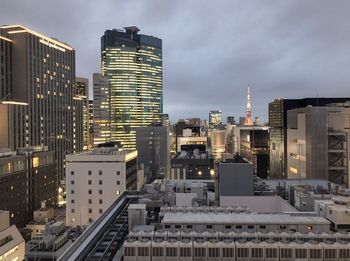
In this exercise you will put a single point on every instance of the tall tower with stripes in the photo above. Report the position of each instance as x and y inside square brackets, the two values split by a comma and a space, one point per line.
[248, 116]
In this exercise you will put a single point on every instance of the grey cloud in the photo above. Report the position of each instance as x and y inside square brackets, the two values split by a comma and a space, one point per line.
[213, 49]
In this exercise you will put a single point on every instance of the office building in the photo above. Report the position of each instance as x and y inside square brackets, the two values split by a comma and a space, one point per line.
[12, 245]
[101, 109]
[81, 91]
[132, 63]
[215, 119]
[317, 143]
[217, 143]
[254, 146]
[153, 146]
[91, 125]
[43, 80]
[27, 177]
[95, 179]
[6, 79]
[193, 162]
[241, 121]
[231, 120]
[278, 129]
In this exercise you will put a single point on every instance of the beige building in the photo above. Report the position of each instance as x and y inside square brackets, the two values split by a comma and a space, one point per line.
[11, 241]
[95, 179]
[318, 147]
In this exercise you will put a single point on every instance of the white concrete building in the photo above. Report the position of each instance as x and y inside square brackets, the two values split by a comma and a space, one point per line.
[95, 179]
[11, 241]
[336, 210]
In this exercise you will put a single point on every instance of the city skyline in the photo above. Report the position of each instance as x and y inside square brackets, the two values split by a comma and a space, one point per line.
[291, 49]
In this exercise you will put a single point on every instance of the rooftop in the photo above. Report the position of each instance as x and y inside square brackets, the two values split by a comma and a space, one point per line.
[241, 218]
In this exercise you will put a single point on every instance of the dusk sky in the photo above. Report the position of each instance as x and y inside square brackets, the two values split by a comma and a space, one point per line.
[212, 49]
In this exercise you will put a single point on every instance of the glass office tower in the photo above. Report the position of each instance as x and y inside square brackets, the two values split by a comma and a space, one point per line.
[132, 63]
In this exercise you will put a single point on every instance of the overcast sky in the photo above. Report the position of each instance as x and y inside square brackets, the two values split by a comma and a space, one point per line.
[212, 49]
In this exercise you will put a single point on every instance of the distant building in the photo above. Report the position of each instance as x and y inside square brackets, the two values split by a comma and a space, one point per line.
[27, 178]
[236, 177]
[42, 79]
[215, 119]
[91, 124]
[231, 120]
[317, 143]
[278, 129]
[101, 109]
[254, 146]
[217, 143]
[241, 121]
[192, 164]
[81, 91]
[152, 144]
[95, 179]
[194, 121]
[12, 245]
[132, 63]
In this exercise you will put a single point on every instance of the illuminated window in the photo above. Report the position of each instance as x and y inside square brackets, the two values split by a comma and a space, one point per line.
[35, 162]
[293, 170]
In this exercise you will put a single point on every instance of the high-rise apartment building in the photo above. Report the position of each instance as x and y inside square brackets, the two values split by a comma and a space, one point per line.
[278, 129]
[132, 63]
[215, 119]
[43, 76]
[101, 109]
[81, 91]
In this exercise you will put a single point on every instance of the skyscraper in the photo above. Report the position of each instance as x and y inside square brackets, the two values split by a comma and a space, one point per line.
[81, 91]
[215, 119]
[132, 63]
[43, 76]
[248, 117]
[101, 109]
[91, 124]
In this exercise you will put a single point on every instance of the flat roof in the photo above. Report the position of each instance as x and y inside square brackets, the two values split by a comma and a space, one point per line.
[240, 218]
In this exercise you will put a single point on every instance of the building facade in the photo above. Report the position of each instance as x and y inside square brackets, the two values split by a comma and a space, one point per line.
[318, 143]
[28, 177]
[101, 109]
[215, 119]
[278, 129]
[12, 243]
[153, 147]
[132, 63]
[91, 124]
[43, 76]
[95, 179]
[81, 91]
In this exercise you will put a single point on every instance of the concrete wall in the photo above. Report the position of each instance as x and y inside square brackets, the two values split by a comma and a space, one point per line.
[236, 179]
